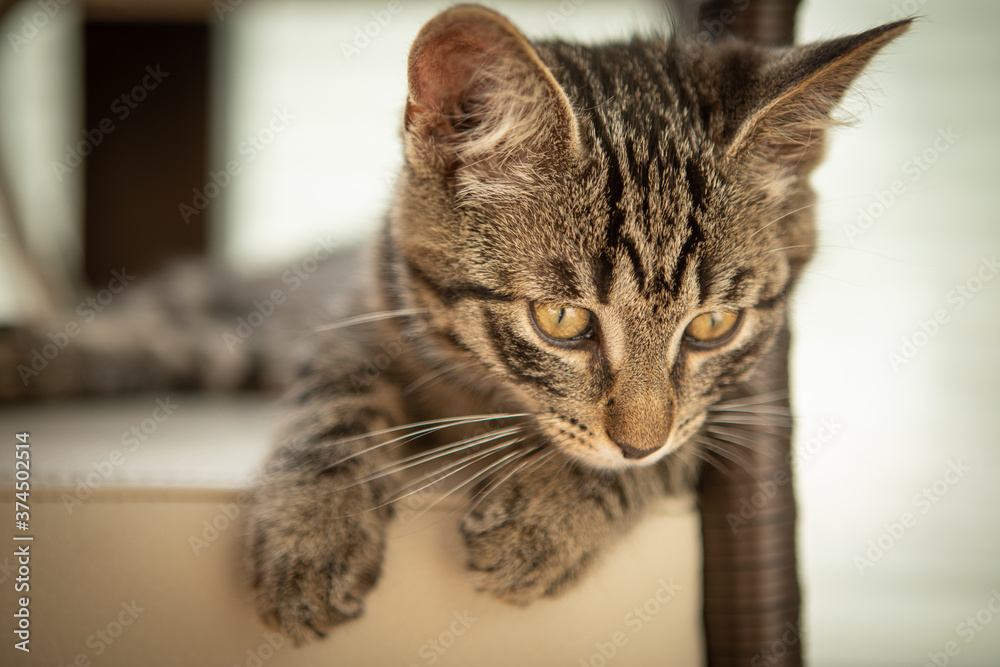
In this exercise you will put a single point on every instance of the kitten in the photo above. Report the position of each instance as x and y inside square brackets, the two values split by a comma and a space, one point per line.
[589, 248]
[592, 244]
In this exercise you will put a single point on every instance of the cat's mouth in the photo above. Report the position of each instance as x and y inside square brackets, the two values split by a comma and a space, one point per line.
[610, 455]
[596, 448]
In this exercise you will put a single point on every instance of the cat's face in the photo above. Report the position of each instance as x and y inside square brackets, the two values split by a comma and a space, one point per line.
[613, 232]
[614, 337]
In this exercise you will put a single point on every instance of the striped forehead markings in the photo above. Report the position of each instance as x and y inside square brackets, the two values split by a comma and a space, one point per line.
[590, 79]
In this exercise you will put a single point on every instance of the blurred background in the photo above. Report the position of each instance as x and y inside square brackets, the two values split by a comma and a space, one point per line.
[293, 111]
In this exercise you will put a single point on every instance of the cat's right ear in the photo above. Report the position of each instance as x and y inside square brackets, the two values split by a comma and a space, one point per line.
[797, 90]
[480, 98]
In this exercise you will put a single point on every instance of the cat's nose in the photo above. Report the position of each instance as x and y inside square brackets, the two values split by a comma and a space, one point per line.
[630, 452]
[639, 413]
[637, 433]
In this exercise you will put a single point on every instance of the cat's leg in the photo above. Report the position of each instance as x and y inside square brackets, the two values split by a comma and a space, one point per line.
[538, 531]
[316, 528]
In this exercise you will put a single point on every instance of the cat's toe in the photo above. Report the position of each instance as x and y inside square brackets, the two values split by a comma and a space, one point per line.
[521, 562]
[306, 590]
[481, 520]
[311, 576]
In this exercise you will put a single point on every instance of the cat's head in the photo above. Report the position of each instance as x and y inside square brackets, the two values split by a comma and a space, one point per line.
[613, 230]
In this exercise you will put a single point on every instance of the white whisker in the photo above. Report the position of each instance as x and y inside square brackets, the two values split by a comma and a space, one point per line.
[368, 317]
[445, 422]
[769, 397]
[757, 410]
[728, 454]
[781, 218]
[434, 375]
[712, 461]
[455, 468]
[779, 422]
[480, 497]
[752, 445]
[517, 456]
[482, 473]
[462, 464]
[445, 450]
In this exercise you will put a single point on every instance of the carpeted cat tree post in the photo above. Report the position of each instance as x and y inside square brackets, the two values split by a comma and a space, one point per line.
[751, 587]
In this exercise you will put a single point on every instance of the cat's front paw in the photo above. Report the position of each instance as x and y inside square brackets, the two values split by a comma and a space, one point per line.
[314, 552]
[535, 534]
[524, 558]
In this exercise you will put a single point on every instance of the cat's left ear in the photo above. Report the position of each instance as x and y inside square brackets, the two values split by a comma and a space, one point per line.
[799, 90]
[480, 96]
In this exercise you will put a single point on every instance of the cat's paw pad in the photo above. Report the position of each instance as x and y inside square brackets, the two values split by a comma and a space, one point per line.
[518, 560]
[311, 575]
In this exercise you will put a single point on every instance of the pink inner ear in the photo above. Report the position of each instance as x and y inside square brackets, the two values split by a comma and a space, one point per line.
[441, 74]
[481, 96]
[445, 59]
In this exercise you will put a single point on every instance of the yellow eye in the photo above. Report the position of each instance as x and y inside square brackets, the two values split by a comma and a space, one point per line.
[560, 321]
[712, 327]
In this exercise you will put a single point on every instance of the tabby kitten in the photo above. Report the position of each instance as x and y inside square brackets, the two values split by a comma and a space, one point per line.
[591, 245]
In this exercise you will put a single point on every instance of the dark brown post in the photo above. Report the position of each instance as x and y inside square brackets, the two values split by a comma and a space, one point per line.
[751, 597]
[751, 600]
[764, 21]
[146, 119]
